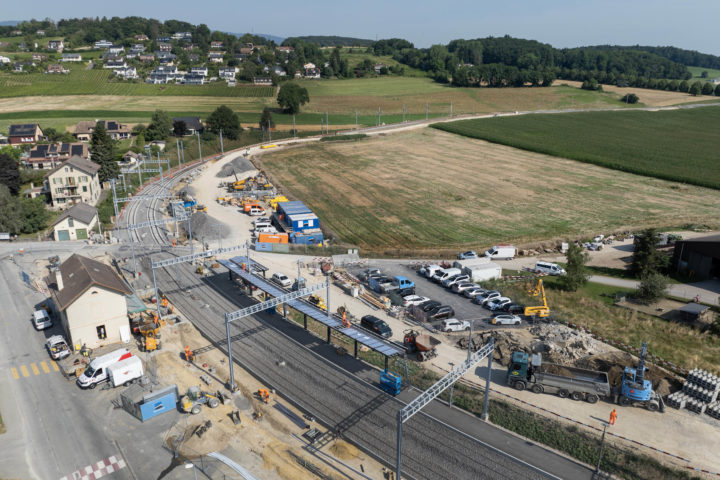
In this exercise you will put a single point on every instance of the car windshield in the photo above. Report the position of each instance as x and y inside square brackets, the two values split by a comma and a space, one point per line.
[89, 371]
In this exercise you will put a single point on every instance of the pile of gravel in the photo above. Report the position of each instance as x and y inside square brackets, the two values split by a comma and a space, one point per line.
[238, 165]
[206, 227]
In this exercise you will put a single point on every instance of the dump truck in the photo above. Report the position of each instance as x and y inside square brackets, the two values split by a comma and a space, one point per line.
[195, 398]
[576, 383]
[423, 346]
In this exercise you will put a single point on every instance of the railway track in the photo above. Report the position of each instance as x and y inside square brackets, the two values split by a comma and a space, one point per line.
[338, 399]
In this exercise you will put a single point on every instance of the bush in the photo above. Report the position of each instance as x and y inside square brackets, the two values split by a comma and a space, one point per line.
[653, 287]
[630, 98]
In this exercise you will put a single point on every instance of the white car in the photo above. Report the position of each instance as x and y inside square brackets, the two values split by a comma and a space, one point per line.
[462, 286]
[455, 325]
[474, 292]
[453, 280]
[506, 320]
[57, 347]
[414, 300]
[467, 255]
[41, 319]
[256, 211]
[498, 303]
[486, 297]
[281, 279]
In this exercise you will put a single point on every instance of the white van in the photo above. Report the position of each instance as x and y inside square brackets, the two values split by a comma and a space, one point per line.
[549, 268]
[500, 252]
[256, 211]
[445, 274]
[125, 372]
[430, 270]
[265, 229]
[41, 319]
[96, 372]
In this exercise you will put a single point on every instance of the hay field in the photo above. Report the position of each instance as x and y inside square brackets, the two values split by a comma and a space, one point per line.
[427, 190]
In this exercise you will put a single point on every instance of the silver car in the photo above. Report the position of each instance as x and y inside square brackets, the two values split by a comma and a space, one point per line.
[506, 320]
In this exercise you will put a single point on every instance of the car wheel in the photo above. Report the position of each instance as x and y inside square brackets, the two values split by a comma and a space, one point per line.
[537, 388]
[467, 329]
[577, 396]
[563, 393]
[517, 322]
[592, 398]
[92, 386]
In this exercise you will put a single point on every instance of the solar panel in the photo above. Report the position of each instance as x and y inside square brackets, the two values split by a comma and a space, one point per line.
[379, 345]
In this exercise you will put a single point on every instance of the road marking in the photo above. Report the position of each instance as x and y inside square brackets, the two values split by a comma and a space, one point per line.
[45, 367]
[55, 367]
[35, 369]
[24, 371]
[15, 373]
[99, 469]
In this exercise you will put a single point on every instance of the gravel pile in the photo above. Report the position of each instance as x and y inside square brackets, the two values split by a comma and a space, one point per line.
[205, 226]
[237, 165]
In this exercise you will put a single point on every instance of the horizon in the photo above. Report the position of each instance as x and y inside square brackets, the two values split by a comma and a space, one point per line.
[563, 24]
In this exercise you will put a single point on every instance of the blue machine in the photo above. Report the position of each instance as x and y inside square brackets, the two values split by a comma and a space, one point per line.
[636, 390]
[390, 382]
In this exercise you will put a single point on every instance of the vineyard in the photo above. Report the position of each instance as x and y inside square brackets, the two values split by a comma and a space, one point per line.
[672, 145]
[100, 82]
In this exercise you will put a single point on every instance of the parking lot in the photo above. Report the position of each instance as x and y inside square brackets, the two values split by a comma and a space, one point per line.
[464, 308]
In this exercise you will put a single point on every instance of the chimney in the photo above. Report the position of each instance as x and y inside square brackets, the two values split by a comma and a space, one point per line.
[58, 280]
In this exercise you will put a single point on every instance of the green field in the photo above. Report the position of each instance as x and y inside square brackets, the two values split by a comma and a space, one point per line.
[676, 145]
[97, 82]
[697, 71]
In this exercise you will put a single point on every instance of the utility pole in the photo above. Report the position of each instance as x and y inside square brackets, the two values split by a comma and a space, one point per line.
[327, 123]
[269, 131]
[602, 444]
[356, 120]
[321, 126]
[427, 111]
[451, 109]
[294, 133]
[199, 146]
[403, 113]
[222, 147]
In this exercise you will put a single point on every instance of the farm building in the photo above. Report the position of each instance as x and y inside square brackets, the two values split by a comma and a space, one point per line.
[91, 300]
[699, 258]
[75, 223]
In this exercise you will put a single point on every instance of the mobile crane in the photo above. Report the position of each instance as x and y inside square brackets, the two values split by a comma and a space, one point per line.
[543, 310]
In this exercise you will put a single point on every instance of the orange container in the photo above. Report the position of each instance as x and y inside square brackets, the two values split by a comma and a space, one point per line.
[273, 238]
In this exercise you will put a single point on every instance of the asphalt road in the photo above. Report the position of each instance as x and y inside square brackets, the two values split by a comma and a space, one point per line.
[333, 395]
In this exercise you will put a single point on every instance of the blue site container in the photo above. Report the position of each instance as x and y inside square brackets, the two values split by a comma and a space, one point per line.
[302, 221]
[390, 382]
[307, 238]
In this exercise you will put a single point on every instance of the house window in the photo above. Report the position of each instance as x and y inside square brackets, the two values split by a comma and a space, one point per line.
[66, 169]
[70, 222]
[84, 188]
[101, 332]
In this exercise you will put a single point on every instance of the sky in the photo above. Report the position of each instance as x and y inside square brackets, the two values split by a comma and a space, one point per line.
[689, 24]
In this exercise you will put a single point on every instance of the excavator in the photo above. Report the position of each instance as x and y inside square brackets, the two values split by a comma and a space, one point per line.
[543, 310]
[238, 184]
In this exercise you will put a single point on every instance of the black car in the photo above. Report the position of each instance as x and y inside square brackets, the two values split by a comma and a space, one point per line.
[376, 325]
[429, 305]
[514, 308]
[440, 312]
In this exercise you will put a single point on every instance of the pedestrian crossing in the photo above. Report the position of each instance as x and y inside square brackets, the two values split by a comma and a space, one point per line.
[35, 368]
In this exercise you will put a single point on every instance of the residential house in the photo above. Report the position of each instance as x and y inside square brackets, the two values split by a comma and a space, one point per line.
[19, 67]
[163, 39]
[279, 71]
[298, 74]
[165, 58]
[115, 50]
[4, 60]
[216, 57]
[116, 131]
[312, 73]
[40, 33]
[16, 33]
[91, 300]
[199, 70]
[71, 57]
[34, 191]
[75, 223]
[379, 67]
[39, 57]
[56, 68]
[194, 57]
[162, 74]
[182, 36]
[190, 47]
[24, 134]
[3, 139]
[141, 38]
[103, 44]
[129, 160]
[245, 52]
[285, 50]
[193, 124]
[193, 79]
[56, 45]
[216, 45]
[128, 73]
[49, 156]
[165, 47]
[308, 66]
[137, 49]
[73, 181]
[228, 73]
[146, 58]
[115, 64]
[262, 81]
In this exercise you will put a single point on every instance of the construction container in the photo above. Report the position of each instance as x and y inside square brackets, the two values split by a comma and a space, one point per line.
[302, 221]
[272, 238]
[292, 208]
[307, 238]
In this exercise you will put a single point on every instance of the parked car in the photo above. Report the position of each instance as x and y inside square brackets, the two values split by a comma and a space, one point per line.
[281, 279]
[474, 292]
[376, 325]
[440, 312]
[429, 305]
[455, 325]
[467, 255]
[462, 286]
[41, 319]
[414, 300]
[256, 211]
[486, 297]
[266, 229]
[514, 308]
[429, 270]
[456, 279]
[506, 320]
[445, 274]
[497, 303]
[57, 347]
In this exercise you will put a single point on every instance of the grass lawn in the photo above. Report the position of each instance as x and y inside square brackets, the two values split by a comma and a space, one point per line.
[672, 145]
[427, 192]
[697, 71]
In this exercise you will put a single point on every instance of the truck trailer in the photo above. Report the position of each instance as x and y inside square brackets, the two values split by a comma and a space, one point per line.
[576, 383]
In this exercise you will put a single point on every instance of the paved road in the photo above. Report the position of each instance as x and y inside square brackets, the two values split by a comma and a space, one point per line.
[709, 291]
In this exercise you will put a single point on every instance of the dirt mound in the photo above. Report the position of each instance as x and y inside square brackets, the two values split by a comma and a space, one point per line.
[206, 228]
[236, 166]
[344, 451]
[614, 364]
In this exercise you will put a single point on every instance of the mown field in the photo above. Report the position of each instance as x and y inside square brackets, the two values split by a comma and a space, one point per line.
[676, 145]
[697, 72]
[429, 192]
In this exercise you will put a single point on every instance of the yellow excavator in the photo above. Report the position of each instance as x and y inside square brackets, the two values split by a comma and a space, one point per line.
[543, 310]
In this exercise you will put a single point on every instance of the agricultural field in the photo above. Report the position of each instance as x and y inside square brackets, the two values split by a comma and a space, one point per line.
[428, 192]
[697, 71]
[673, 145]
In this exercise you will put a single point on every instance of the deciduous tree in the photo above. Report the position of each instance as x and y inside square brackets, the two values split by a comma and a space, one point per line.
[652, 287]
[223, 118]
[266, 120]
[9, 173]
[707, 88]
[180, 128]
[695, 89]
[160, 126]
[10, 214]
[292, 96]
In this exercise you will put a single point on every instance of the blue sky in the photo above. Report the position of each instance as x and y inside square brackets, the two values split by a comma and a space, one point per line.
[687, 24]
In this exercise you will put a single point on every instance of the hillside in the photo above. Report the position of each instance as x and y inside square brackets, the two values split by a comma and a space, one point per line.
[333, 41]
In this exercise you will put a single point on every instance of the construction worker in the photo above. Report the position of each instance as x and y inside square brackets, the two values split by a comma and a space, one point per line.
[264, 395]
[188, 354]
[346, 324]
[174, 243]
[165, 302]
[613, 417]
